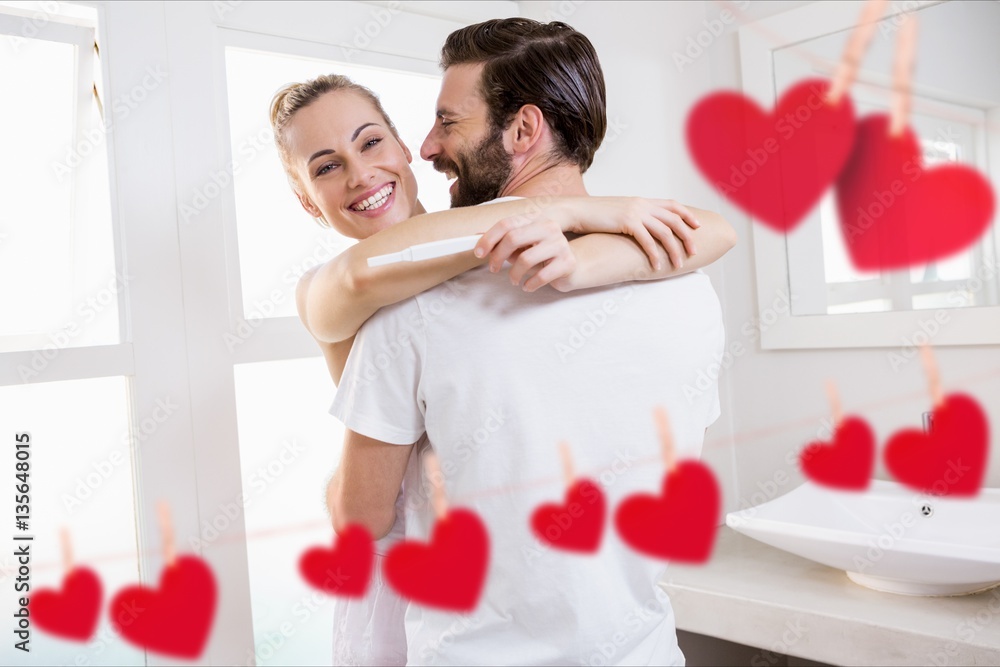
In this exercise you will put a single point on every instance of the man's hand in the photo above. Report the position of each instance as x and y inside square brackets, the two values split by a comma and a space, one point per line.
[537, 239]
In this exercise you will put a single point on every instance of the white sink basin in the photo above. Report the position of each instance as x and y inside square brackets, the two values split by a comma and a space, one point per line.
[888, 537]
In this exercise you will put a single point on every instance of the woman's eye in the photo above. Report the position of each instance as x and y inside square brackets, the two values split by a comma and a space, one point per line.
[325, 168]
[374, 141]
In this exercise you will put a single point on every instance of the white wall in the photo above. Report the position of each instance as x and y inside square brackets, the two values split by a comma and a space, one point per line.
[773, 401]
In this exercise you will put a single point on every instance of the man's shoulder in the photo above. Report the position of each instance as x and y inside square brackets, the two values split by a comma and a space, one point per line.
[402, 314]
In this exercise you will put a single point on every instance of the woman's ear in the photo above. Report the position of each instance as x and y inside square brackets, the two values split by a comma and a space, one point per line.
[307, 204]
[406, 151]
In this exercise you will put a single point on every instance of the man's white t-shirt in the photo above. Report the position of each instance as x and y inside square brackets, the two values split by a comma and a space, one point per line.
[497, 377]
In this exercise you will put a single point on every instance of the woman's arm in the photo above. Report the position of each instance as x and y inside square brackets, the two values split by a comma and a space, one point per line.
[606, 259]
[335, 354]
[620, 246]
[345, 291]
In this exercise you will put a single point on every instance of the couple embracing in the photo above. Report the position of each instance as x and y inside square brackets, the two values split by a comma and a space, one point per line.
[573, 318]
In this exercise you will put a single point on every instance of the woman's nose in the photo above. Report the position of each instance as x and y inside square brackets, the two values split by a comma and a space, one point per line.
[360, 175]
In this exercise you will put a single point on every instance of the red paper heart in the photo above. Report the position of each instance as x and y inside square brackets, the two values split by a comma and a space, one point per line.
[576, 525]
[951, 459]
[678, 525]
[894, 213]
[847, 462]
[344, 570]
[173, 619]
[777, 165]
[448, 572]
[72, 612]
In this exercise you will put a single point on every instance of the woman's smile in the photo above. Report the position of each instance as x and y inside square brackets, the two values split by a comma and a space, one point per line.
[376, 201]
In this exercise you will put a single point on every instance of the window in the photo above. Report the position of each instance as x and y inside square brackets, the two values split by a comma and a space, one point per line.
[81, 479]
[55, 218]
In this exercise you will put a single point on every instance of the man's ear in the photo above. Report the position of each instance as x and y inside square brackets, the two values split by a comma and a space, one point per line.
[526, 129]
[307, 204]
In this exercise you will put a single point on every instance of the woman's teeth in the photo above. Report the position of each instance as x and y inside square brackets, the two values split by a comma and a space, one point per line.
[376, 200]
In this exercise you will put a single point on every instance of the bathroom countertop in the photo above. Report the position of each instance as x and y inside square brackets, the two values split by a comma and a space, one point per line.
[757, 595]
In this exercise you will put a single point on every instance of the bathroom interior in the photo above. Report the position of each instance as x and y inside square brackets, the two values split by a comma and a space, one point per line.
[159, 225]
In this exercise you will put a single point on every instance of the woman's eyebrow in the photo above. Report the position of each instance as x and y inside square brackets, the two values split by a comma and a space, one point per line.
[325, 151]
[358, 131]
[329, 151]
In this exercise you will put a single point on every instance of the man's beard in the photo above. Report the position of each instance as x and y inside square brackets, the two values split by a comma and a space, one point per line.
[484, 171]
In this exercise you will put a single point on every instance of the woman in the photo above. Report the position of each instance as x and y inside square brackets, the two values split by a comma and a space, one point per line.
[350, 170]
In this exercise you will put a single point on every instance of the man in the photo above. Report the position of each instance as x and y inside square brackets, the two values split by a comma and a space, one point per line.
[496, 377]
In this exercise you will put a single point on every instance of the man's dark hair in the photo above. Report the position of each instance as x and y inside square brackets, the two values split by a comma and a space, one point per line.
[549, 65]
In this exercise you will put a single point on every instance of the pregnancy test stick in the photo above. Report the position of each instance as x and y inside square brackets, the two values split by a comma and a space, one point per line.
[415, 253]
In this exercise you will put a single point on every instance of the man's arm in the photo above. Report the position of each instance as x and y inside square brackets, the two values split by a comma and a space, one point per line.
[364, 488]
[606, 259]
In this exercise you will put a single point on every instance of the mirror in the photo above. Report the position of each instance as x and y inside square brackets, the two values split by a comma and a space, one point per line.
[955, 107]
[955, 112]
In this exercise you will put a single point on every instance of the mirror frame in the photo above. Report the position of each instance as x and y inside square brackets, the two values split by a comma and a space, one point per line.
[778, 328]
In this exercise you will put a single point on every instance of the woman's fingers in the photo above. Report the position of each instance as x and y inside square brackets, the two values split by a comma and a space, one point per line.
[684, 212]
[523, 237]
[678, 228]
[556, 268]
[537, 257]
[666, 237]
[496, 234]
[646, 242]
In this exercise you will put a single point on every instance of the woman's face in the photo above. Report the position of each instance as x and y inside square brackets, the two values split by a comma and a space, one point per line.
[352, 169]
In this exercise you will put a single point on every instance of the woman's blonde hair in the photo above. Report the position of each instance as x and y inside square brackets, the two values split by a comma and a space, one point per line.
[295, 96]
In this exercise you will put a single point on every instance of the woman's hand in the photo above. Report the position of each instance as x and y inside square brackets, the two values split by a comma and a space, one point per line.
[647, 220]
[536, 248]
